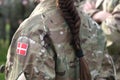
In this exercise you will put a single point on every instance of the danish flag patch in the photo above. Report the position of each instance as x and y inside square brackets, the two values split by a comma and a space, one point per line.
[22, 48]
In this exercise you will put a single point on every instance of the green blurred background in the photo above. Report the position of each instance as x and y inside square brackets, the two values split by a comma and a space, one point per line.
[3, 50]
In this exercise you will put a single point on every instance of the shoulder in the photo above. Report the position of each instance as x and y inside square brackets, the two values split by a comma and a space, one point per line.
[91, 34]
[38, 20]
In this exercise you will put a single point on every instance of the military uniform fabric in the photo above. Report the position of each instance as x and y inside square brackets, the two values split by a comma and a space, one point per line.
[110, 28]
[41, 50]
[110, 23]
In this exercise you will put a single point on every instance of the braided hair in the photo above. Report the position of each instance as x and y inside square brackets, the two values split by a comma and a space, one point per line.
[73, 20]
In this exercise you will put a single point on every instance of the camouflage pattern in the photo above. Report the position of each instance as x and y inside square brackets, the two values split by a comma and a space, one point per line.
[101, 64]
[111, 6]
[48, 54]
[111, 29]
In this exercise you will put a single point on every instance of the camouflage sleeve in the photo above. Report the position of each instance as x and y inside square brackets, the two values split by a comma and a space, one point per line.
[94, 48]
[43, 64]
[32, 60]
[111, 28]
[93, 44]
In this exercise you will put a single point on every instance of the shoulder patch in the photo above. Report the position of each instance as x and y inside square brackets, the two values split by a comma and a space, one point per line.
[22, 48]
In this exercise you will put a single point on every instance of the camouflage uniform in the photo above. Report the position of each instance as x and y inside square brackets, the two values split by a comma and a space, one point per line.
[41, 50]
[111, 28]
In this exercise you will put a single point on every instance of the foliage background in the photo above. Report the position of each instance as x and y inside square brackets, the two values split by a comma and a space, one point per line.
[3, 50]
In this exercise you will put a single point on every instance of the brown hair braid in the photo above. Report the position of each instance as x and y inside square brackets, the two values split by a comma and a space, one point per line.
[72, 18]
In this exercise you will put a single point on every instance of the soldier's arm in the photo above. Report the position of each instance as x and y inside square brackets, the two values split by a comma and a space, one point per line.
[32, 61]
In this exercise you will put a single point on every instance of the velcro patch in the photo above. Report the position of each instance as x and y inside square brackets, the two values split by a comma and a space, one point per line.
[22, 48]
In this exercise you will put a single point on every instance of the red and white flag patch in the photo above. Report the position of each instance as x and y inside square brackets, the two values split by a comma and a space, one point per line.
[22, 48]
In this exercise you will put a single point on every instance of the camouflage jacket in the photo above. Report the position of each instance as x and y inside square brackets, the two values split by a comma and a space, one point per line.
[106, 5]
[41, 50]
[111, 28]
[111, 25]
